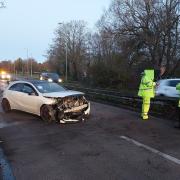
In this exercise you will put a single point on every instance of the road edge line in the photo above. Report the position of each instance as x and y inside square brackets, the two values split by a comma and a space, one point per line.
[155, 151]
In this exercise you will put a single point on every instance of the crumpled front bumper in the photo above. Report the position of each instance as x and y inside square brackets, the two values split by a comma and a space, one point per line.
[85, 114]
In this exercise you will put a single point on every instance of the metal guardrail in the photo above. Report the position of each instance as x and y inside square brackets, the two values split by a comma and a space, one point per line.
[160, 106]
[113, 93]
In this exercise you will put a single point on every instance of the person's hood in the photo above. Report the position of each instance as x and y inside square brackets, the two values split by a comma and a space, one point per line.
[62, 94]
[149, 73]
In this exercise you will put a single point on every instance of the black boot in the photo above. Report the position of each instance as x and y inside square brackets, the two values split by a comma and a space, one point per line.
[177, 123]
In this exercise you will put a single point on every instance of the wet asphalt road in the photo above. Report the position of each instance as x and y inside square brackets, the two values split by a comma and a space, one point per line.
[91, 150]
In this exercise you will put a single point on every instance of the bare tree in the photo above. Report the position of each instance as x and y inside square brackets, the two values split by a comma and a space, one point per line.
[131, 35]
[146, 30]
[2, 4]
[71, 38]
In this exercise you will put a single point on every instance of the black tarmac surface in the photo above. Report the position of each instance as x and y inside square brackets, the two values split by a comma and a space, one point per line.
[93, 150]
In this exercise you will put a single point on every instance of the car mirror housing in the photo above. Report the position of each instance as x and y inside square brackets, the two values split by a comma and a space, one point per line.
[32, 94]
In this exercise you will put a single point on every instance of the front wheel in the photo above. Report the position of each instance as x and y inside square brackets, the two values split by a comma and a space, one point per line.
[5, 105]
[47, 113]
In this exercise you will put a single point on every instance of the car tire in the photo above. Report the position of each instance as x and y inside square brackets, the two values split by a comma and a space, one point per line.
[5, 105]
[46, 113]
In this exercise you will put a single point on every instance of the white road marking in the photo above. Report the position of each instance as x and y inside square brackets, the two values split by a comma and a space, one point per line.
[166, 156]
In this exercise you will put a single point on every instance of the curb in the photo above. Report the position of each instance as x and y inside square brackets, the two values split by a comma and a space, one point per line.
[5, 169]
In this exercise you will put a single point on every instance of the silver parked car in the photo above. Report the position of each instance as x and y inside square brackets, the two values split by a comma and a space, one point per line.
[167, 87]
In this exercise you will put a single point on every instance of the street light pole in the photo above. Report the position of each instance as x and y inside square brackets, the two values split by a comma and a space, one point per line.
[15, 68]
[31, 65]
[27, 62]
[66, 62]
[66, 58]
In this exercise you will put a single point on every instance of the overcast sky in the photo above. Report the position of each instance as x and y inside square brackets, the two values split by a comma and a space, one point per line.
[30, 24]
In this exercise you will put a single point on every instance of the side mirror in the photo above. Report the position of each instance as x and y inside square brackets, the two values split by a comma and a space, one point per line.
[32, 94]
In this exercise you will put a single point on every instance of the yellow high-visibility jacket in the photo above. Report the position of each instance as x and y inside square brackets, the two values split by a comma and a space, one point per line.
[146, 88]
[178, 88]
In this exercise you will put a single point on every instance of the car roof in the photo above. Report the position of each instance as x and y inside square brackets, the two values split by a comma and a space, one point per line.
[33, 81]
[176, 79]
[49, 73]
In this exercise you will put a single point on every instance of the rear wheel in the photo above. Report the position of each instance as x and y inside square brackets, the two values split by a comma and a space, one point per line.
[46, 113]
[5, 105]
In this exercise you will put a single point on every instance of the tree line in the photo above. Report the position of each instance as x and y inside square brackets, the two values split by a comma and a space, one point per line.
[131, 35]
[23, 66]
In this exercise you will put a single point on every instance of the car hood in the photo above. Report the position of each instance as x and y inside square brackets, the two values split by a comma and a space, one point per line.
[54, 78]
[62, 94]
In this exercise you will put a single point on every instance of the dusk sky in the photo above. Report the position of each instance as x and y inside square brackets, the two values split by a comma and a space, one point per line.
[30, 24]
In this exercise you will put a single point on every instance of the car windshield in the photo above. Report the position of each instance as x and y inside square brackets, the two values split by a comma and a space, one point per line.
[48, 87]
[173, 83]
[53, 75]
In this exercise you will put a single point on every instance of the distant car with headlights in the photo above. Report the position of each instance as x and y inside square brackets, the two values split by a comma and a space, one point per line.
[51, 77]
[46, 99]
[167, 87]
[5, 76]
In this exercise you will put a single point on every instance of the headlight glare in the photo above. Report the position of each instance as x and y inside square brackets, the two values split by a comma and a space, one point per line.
[3, 76]
[50, 80]
[60, 80]
[8, 76]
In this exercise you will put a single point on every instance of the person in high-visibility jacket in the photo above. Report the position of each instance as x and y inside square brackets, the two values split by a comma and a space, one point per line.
[146, 91]
[177, 125]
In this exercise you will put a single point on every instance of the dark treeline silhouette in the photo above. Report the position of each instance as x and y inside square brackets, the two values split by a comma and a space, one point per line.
[130, 36]
[23, 67]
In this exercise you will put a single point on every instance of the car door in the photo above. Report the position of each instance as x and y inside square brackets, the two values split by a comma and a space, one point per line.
[13, 95]
[30, 99]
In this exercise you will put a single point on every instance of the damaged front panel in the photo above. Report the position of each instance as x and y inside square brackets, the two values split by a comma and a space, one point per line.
[73, 108]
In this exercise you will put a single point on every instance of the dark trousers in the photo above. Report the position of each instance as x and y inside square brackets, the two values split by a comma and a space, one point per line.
[178, 111]
[177, 123]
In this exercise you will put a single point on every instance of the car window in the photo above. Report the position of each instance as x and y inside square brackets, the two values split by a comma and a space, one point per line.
[44, 75]
[53, 75]
[46, 87]
[27, 88]
[16, 87]
[173, 83]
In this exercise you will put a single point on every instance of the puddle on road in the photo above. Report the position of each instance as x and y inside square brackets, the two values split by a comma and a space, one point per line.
[5, 124]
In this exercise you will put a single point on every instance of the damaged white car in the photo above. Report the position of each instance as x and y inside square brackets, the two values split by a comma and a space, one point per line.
[48, 100]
